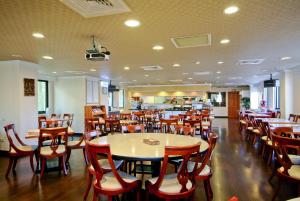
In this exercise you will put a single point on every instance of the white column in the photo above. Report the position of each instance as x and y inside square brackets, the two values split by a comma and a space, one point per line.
[286, 93]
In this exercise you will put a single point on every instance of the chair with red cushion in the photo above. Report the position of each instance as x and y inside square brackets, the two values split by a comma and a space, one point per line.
[17, 148]
[177, 185]
[110, 183]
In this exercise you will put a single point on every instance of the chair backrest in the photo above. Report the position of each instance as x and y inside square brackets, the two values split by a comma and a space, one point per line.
[192, 123]
[284, 143]
[278, 114]
[134, 128]
[41, 121]
[113, 124]
[183, 175]
[11, 135]
[185, 130]
[293, 118]
[212, 140]
[125, 116]
[68, 120]
[93, 151]
[55, 116]
[55, 135]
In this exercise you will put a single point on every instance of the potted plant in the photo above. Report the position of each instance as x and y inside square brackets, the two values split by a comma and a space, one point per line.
[246, 102]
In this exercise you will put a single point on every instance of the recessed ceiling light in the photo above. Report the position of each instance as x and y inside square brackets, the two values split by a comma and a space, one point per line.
[175, 80]
[133, 80]
[146, 75]
[185, 73]
[16, 55]
[54, 72]
[264, 70]
[218, 72]
[190, 78]
[197, 62]
[132, 23]
[231, 10]
[225, 41]
[157, 47]
[47, 57]
[126, 68]
[176, 65]
[285, 58]
[220, 62]
[93, 70]
[218, 77]
[38, 35]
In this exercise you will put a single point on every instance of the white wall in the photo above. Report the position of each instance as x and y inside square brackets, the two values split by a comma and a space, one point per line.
[70, 97]
[14, 106]
[289, 93]
[256, 92]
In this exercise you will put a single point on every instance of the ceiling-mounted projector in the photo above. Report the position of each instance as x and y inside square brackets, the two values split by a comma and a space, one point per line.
[97, 54]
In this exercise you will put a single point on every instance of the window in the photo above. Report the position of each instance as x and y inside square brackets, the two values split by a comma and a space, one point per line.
[121, 98]
[277, 97]
[43, 102]
[217, 99]
[110, 99]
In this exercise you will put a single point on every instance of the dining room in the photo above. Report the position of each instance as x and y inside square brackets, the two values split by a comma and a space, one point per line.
[149, 100]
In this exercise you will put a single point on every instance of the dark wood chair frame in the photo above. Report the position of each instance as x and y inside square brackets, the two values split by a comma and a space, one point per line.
[182, 175]
[93, 151]
[55, 135]
[14, 156]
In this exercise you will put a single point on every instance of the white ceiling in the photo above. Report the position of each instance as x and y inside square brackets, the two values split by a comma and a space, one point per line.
[265, 30]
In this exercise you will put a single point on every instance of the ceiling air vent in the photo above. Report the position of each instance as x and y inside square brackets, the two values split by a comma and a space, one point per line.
[95, 8]
[192, 41]
[152, 68]
[251, 61]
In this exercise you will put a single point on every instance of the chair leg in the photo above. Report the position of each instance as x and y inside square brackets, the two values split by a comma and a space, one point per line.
[9, 166]
[31, 163]
[68, 155]
[15, 164]
[95, 196]
[110, 198]
[43, 162]
[138, 195]
[206, 190]
[85, 156]
[89, 184]
[270, 157]
[277, 190]
[210, 190]
[63, 162]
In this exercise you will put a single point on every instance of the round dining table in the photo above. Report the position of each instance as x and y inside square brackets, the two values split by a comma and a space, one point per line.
[132, 147]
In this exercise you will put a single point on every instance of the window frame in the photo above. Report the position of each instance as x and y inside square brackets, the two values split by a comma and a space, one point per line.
[123, 98]
[47, 95]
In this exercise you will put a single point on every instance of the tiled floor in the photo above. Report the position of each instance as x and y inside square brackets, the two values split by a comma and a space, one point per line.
[238, 171]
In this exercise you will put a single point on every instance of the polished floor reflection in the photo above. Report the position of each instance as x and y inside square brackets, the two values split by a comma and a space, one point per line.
[238, 171]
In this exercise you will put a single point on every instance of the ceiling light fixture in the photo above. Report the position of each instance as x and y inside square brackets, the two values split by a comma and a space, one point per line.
[126, 68]
[190, 78]
[146, 75]
[93, 70]
[132, 23]
[47, 57]
[285, 58]
[218, 72]
[220, 62]
[54, 72]
[185, 73]
[157, 47]
[38, 35]
[133, 80]
[225, 41]
[176, 65]
[218, 77]
[16, 55]
[231, 10]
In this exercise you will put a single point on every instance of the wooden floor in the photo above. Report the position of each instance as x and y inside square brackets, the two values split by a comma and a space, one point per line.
[238, 171]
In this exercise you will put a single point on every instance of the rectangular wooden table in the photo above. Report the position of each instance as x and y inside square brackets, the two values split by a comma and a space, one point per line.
[34, 133]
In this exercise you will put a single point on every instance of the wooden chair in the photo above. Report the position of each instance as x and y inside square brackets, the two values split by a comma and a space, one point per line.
[103, 162]
[288, 171]
[125, 116]
[173, 186]
[114, 182]
[165, 124]
[42, 121]
[67, 120]
[206, 127]
[112, 125]
[54, 116]
[138, 128]
[17, 151]
[76, 144]
[56, 148]
[185, 130]
[203, 171]
[278, 114]
[293, 118]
